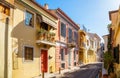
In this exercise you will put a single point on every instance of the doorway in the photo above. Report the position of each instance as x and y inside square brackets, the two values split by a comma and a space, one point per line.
[44, 60]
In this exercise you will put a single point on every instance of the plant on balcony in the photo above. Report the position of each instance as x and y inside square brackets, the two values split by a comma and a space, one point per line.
[52, 36]
[41, 33]
[52, 33]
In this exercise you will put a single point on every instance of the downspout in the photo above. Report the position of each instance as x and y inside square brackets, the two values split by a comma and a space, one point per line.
[6, 48]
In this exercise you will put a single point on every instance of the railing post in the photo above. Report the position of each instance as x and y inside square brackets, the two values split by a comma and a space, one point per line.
[43, 74]
[59, 70]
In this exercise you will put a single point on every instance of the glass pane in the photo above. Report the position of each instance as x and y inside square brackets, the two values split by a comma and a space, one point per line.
[70, 35]
[63, 30]
[29, 19]
[62, 55]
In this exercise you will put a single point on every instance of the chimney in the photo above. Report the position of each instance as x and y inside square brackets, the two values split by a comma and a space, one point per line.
[46, 6]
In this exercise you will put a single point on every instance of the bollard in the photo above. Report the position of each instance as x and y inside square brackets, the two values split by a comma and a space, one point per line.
[43, 74]
[59, 70]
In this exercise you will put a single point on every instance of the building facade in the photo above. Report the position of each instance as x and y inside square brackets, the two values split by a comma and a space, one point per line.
[6, 22]
[93, 47]
[67, 41]
[105, 37]
[114, 38]
[115, 33]
[82, 47]
[98, 48]
[31, 40]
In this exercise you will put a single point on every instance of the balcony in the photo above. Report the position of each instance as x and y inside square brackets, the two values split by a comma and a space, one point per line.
[45, 37]
[91, 48]
[82, 45]
[71, 45]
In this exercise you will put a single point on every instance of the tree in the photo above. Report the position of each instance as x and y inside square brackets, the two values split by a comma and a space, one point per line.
[108, 61]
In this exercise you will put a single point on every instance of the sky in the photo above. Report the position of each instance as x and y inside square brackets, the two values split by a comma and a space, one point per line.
[93, 14]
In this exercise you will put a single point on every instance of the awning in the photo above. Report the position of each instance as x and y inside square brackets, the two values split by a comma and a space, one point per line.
[45, 19]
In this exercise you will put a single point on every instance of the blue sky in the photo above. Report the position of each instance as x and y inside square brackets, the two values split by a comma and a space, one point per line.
[93, 14]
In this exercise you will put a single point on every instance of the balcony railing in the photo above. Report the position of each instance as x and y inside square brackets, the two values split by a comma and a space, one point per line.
[72, 44]
[91, 48]
[46, 36]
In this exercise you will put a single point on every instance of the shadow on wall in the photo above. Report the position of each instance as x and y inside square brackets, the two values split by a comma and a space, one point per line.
[23, 35]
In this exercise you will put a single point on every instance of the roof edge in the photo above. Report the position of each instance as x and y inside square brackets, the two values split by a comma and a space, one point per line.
[68, 18]
[44, 9]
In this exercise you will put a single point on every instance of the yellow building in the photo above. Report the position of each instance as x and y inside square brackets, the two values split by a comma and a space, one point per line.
[115, 31]
[93, 47]
[82, 46]
[6, 22]
[89, 47]
[115, 38]
[27, 39]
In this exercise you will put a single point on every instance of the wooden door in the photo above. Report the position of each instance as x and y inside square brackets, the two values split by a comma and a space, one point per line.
[44, 61]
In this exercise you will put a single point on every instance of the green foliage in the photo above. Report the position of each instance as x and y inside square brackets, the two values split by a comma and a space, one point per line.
[107, 59]
[41, 31]
[108, 26]
[52, 33]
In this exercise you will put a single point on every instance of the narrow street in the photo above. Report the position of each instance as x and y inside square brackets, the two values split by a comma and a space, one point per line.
[86, 71]
[59, 39]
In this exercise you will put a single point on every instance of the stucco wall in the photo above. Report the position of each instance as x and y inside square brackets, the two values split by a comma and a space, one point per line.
[2, 46]
[51, 63]
[26, 36]
[114, 18]
[5, 45]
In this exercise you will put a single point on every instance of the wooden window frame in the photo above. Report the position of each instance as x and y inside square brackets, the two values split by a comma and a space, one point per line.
[27, 11]
[24, 58]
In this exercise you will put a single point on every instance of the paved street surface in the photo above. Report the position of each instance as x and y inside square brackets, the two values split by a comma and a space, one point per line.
[86, 71]
[82, 71]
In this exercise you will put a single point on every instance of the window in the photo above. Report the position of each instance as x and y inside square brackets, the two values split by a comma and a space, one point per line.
[76, 36]
[70, 35]
[87, 43]
[63, 65]
[74, 63]
[74, 55]
[4, 9]
[29, 19]
[63, 30]
[28, 53]
[62, 55]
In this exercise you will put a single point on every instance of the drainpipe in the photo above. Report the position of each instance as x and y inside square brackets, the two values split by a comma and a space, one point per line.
[6, 48]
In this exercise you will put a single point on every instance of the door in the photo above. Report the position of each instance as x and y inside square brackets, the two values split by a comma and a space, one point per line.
[44, 61]
[81, 56]
[69, 57]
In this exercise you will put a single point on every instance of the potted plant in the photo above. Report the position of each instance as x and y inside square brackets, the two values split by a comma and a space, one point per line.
[52, 36]
[41, 33]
